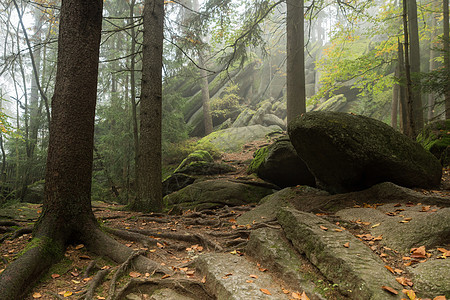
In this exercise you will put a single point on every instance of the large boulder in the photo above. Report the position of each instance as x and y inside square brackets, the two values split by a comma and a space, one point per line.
[216, 193]
[435, 137]
[232, 139]
[279, 163]
[201, 162]
[347, 153]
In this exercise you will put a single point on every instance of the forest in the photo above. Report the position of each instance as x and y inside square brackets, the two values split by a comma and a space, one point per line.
[121, 111]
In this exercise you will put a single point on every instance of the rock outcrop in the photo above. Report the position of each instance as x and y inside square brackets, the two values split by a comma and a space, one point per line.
[279, 164]
[348, 153]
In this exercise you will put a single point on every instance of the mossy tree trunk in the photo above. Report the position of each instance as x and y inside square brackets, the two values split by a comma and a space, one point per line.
[446, 57]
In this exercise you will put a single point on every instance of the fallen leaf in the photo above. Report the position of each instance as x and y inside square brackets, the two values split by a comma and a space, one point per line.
[75, 274]
[346, 245]
[159, 245]
[404, 281]
[249, 281]
[398, 271]
[165, 276]
[84, 257]
[203, 279]
[376, 225]
[418, 252]
[439, 298]
[78, 247]
[285, 291]
[265, 291]
[389, 289]
[37, 295]
[55, 276]
[190, 273]
[323, 227]
[425, 208]
[303, 296]
[410, 293]
[234, 252]
[263, 269]
[337, 229]
[253, 276]
[100, 298]
[378, 238]
[390, 269]
[295, 295]
[67, 294]
[134, 274]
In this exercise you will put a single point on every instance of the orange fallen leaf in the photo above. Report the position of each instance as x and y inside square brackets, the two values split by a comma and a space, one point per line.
[337, 229]
[265, 291]
[376, 225]
[410, 293]
[303, 296]
[346, 245]
[253, 276]
[262, 269]
[78, 247]
[55, 276]
[323, 227]
[165, 276]
[285, 291]
[398, 271]
[67, 294]
[134, 274]
[84, 257]
[390, 269]
[439, 298]
[100, 298]
[203, 279]
[389, 289]
[37, 295]
[249, 281]
[75, 274]
[295, 295]
[403, 281]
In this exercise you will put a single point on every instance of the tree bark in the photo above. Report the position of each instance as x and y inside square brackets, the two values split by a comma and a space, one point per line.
[410, 129]
[446, 57]
[149, 179]
[432, 63]
[205, 96]
[414, 49]
[296, 98]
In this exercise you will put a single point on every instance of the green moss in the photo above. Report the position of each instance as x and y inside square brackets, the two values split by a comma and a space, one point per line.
[435, 138]
[50, 248]
[259, 156]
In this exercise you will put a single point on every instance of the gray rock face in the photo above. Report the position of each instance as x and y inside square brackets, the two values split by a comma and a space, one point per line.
[216, 193]
[430, 229]
[227, 276]
[431, 278]
[176, 182]
[244, 117]
[271, 119]
[268, 247]
[348, 153]
[232, 139]
[282, 166]
[357, 270]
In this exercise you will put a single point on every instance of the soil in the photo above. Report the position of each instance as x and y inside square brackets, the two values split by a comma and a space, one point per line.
[206, 231]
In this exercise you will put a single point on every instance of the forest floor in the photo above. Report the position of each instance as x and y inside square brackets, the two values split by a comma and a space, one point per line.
[173, 241]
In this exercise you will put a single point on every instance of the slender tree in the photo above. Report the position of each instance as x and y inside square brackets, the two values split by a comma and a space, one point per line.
[149, 179]
[296, 97]
[446, 57]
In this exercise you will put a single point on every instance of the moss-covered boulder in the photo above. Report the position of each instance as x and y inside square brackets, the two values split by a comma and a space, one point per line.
[232, 139]
[435, 137]
[347, 153]
[176, 182]
[201, 162]
[216, 193]
[279, 163]
[35, 192]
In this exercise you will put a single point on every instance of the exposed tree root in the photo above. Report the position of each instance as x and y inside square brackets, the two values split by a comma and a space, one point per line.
[131, 236]
[94, 283]
[190, 288]
[21, 231]
[92, 265]
[8, 223]
[185, 237]
[154, 219]
[122, 269]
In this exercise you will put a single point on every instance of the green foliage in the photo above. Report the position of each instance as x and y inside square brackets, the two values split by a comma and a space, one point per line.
[258, 157]
[177, 152]
[221, 107]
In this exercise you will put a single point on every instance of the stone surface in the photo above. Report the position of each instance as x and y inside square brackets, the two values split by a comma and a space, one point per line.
[430, 229]
[166, 294]
[232, 139]
[216, 193]
[176, 182]
[348, 153]
[227, 276]
[435, 138]
[271, 119]
[358, 272]
[268, 206]
[280, 165]
[268, 247]
[431, 278]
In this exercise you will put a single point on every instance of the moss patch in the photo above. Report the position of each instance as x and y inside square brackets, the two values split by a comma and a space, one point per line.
[435, 138]
[258, 158]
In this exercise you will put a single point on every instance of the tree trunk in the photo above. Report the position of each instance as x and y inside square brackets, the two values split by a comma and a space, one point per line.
[402, 92]
[414, 49]
[395, 99]
[446, 57]
[205, 96]
[432, 64]
[296, 98]
[410, 129]
[149, 179]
